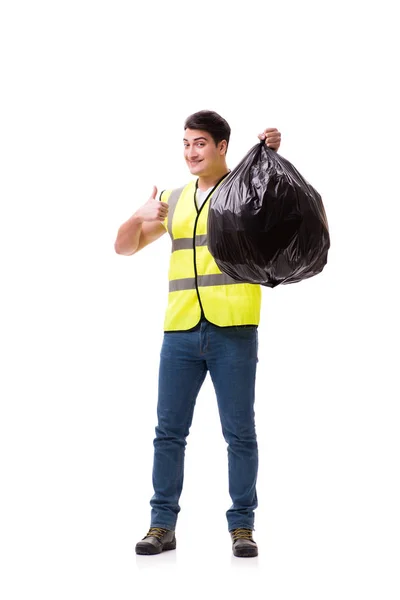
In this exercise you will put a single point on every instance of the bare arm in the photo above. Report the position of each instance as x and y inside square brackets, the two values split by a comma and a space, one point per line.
[143, 228]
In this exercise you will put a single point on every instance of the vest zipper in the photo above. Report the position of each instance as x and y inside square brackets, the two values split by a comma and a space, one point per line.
[202, 316]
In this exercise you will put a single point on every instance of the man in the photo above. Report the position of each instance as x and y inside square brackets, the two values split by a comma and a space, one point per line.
[210, 326]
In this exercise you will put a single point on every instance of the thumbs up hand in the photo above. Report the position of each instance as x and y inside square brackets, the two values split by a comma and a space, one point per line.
[153, 210]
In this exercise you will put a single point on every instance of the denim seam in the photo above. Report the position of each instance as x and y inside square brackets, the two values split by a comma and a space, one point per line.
[242, 527]
[163, 527]
[198, 383]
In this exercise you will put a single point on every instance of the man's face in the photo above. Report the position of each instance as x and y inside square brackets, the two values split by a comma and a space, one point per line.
[202, 156]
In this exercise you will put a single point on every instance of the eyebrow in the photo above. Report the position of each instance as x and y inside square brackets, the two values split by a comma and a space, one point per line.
[195, 139]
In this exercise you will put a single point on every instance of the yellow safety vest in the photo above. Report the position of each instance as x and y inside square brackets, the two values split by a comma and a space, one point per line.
[197, 287]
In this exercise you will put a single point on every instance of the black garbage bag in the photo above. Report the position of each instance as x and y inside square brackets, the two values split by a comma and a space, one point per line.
[266, 223]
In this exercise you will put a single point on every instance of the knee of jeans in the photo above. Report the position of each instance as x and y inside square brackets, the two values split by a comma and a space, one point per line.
[173, 434]
[241, 436]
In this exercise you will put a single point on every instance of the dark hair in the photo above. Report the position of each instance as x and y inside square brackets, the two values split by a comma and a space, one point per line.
[212, 122]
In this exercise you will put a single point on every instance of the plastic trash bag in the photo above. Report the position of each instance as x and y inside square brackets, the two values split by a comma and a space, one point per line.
[266, 224]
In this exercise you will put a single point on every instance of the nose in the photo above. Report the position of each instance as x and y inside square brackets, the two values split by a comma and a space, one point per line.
[191, 153]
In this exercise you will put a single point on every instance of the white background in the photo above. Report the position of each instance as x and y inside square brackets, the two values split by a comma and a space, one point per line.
[94, 96]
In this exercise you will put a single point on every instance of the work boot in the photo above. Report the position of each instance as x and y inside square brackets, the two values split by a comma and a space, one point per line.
[157, 540]
[243, 544]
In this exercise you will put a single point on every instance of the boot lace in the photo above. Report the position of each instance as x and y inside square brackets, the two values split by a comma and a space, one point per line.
[242, 534]
[156, 532]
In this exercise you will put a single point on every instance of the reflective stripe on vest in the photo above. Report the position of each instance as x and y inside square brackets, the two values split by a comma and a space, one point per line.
[172, 202]
[187, 243]
[189, 283]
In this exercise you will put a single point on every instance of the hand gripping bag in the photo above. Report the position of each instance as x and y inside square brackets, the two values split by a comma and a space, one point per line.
[267, 225]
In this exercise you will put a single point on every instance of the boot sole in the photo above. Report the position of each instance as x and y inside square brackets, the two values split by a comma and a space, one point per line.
[246, 553]
[148, 549]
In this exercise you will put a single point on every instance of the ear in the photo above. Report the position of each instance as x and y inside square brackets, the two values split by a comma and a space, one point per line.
[223, 146]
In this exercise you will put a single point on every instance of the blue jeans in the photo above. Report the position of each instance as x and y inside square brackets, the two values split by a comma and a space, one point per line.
[230, 355]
